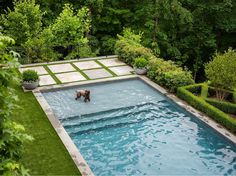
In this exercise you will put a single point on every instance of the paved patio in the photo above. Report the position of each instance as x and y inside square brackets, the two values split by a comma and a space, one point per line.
[79, 70]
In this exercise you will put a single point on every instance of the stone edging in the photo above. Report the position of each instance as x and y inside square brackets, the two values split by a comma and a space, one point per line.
[74, 151]
[69, 61]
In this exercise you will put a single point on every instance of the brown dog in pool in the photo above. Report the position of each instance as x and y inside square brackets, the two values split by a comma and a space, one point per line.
[83, 93]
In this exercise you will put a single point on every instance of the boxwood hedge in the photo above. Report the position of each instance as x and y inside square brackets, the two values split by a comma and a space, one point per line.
[200, 104]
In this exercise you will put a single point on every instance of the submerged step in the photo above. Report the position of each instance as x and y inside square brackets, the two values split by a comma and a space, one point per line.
[117, 117]
[112, 113]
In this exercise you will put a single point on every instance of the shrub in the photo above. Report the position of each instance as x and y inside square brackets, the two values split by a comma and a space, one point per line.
[166, 73]
[140, 62]
[174, 79]
[221, 72]
[30, 76]
[223, 106]
[210, 110]
[128, 47]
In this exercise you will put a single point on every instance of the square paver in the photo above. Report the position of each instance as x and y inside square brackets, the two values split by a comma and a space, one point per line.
[123, 70]
[46, 80]
[87, 65]
[70, 77]
[98, 73]
[39, 69]
[59, 68]
[111, 62]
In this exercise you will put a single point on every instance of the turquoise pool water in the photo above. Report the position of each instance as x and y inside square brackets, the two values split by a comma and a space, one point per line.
[129, 128]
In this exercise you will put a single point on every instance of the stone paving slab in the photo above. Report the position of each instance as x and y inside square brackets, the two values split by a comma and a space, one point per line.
[122, 70]
[70, 77]
[98, 73]
[46, 80]
[87, 65]
[59, 68]
[39, 69]
[111, 62]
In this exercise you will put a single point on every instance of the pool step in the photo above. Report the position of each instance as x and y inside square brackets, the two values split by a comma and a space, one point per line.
[114, 118]
[113, 112]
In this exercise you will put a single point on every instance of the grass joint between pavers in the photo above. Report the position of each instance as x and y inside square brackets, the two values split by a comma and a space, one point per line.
[52, 74]
[106, 68]
[80, 71]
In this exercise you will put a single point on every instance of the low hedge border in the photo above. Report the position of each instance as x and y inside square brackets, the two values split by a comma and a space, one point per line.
[234, 96]
[200, 104]
[223, 106]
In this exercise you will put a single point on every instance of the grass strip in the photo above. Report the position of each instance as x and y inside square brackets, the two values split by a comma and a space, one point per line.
[106, 68]
[52, 74]
[80, 71]
[46, 155]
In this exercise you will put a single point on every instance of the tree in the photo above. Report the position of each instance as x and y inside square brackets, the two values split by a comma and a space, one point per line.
[70, 32]
[24, 22]
[221, 71]
[12, 135]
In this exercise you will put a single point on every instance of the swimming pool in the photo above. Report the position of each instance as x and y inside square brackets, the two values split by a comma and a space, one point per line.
[129, 128]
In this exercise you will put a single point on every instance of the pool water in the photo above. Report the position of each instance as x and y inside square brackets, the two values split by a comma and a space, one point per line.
[129, 128]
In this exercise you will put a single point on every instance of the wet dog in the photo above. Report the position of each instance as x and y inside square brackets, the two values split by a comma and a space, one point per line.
[83, 93]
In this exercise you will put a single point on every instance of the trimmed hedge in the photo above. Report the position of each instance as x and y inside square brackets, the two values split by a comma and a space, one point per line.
[204, 91]
[210, 110]
[234, 96]
[223, 106]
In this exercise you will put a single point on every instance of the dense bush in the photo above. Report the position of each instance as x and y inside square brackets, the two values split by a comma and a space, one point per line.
[30, 76]
[12, 135]
[222, 105]
[65, 38]
[140, 62]
[166, 73]
[128, 47]
[210, 110]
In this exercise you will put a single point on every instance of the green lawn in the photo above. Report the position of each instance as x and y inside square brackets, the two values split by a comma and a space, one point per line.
[46, 155]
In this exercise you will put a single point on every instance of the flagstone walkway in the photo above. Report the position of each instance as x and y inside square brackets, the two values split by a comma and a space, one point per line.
[79, 70]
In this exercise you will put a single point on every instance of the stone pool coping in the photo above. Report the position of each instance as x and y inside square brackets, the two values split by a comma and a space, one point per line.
[69, 144]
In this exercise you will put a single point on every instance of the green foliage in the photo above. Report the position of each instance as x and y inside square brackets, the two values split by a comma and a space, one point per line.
[12, 134]
[210, 110]
[204, 91]
[174, 79]
[69, 32]
[40, 48]
[221, 71]
[24, 22]
[222, 105]
[30, 76]
[140, 62]
[169, 75]
[128, 47]
[234, 96]
[166, 73]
